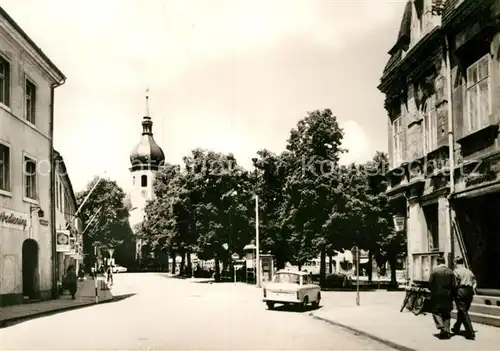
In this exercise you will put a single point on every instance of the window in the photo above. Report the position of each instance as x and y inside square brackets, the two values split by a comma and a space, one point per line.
[430, 125]
[397, 142]
[133, 180]
[4, 167]
[478, 94]
[57, 194]
[30, 178]
[30, 101]
[287, 278]
[432, 222]
[4, 82]
[144, 180]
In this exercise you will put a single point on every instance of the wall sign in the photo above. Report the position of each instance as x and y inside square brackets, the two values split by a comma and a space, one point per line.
[62, 241]
[13, 219]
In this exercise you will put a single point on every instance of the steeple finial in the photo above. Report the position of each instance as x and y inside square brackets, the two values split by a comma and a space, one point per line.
[147, 102]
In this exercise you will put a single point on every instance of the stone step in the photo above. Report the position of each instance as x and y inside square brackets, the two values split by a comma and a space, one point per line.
[481, 318]
[485, 309]
[487, 300]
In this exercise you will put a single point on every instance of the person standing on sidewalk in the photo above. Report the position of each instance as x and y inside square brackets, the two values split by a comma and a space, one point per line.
[442, 286]
[465, 283]
[71, 281]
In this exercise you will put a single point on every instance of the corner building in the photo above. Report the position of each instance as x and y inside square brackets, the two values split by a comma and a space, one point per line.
[27, 249]
[441, 85]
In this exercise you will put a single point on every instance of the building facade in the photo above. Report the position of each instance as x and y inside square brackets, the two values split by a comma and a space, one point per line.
[27, 249]
[441, 85]
[146, 159]
[68, 227]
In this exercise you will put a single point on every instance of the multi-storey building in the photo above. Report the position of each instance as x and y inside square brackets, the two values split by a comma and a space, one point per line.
[442, 85]
[27, 249]
[69, 236]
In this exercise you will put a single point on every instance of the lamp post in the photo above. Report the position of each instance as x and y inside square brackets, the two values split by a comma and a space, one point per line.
[257, 236]
[257, 242]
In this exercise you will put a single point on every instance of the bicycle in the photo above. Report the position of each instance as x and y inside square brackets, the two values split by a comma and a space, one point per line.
[415, 299]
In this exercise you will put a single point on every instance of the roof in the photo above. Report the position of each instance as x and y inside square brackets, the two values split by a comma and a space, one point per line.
[292, 272]
[64, 175]
[25, 36]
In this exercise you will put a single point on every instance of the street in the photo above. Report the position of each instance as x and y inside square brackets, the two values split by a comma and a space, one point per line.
[167, 313]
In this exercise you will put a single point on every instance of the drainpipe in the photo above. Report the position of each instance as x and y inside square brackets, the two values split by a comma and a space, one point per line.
[55, 260]
[451, 143]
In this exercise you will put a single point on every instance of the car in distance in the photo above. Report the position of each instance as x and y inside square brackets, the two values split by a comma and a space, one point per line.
[292, 288]
[119, 269]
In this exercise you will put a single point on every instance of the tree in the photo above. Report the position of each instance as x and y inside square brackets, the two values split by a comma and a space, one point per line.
[270, 176]
[110, 228]
[388, 244]
[314, 150]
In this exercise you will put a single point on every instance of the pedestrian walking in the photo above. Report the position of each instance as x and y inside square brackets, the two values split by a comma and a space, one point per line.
[109, 275]
[442, 286]
[71, 281]
[465, 282]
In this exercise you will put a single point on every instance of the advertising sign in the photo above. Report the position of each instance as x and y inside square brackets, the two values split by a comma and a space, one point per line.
[62, 241]
[13, 219]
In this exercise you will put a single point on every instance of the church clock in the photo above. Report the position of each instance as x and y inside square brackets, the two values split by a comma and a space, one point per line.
[144, 193]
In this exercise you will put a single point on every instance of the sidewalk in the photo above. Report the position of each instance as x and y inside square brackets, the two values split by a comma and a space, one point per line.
[85, 296]
[378, 317]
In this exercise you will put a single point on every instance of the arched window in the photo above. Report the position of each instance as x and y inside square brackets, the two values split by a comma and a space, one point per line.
[133, 180]
[144, 180]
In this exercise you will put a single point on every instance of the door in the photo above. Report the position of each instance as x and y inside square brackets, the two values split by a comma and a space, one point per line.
[30, 268]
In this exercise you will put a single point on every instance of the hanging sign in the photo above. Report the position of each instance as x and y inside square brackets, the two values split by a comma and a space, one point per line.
[399, 223]
[62, 241]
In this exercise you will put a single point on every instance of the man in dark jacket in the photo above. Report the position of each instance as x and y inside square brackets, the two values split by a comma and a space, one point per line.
[71, 281]
[442, 284]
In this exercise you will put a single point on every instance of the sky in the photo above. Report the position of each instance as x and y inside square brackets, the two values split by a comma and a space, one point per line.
[228, 75]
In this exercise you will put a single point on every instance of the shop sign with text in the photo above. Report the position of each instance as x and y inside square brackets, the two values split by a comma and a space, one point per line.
[13, 219]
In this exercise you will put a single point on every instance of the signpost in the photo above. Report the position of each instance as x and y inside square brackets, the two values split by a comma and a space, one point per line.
[355, 255]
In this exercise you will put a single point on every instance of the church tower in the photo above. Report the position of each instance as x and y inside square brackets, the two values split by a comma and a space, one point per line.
[146, 158]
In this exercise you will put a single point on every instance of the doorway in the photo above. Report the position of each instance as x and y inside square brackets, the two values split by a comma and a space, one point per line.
[479, 221]
[30, 269]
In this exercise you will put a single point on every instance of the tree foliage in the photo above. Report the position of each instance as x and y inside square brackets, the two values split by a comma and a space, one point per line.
[309, 206]
[110, 227]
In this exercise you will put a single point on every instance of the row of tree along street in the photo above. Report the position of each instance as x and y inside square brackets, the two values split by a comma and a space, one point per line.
[310, 205]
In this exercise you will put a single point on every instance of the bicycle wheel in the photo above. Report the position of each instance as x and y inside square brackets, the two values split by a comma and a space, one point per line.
[418, 305]
[409, 301]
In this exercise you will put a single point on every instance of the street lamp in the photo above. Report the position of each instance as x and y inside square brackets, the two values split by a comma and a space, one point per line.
[257, 236]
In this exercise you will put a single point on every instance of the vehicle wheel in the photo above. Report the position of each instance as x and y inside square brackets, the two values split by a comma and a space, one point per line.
[418, 305]
[315, 304]
[270, 305]
[304, 303]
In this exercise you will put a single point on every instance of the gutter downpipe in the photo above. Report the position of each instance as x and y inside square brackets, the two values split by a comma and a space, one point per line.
[55, 263]
[451, 157]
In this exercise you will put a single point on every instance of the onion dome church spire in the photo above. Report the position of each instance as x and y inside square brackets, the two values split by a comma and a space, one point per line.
[147, 154]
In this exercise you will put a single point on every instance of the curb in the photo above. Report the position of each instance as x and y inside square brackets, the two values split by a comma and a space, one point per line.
[10, 321]
[386, 342]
